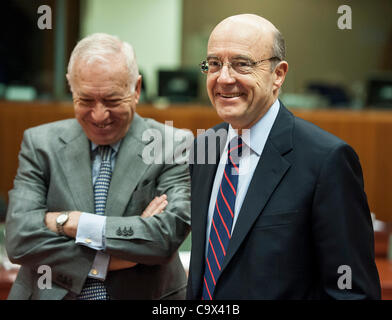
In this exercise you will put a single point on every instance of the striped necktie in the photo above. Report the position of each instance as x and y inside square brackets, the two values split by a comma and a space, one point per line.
[101, 186]
[94, 289]
[222, 219]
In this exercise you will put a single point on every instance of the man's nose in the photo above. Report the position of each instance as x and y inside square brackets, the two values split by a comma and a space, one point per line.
[99, 113]
[226, 74]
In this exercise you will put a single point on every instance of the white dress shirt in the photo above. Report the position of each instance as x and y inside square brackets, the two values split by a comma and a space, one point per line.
[254, 140]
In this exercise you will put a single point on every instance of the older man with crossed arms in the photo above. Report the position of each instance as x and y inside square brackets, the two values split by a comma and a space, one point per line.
[84, 201]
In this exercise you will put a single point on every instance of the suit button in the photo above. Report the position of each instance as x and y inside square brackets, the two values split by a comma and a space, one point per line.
[125, 232]
[130, 231]
[119, 232]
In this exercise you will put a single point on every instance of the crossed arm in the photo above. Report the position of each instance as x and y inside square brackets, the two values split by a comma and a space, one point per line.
[156, 206]
[32, 239]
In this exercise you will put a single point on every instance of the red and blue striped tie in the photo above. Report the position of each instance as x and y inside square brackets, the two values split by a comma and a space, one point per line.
[222, 219]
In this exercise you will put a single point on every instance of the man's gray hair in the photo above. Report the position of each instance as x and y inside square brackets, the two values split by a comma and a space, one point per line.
[99, 46]
[278, 49]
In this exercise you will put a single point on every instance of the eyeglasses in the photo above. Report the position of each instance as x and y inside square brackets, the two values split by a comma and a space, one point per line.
[239, 65]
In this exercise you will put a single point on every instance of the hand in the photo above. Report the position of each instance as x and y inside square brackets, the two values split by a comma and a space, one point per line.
[70, 227]
[157, 205]
[117, 264]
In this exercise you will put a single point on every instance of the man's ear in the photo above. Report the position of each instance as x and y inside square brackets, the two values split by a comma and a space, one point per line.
[69, 81]
[280, 73]
[138, 88]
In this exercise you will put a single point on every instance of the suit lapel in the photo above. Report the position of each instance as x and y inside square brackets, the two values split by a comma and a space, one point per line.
[270, 170]
[128, 170]
[74, 158]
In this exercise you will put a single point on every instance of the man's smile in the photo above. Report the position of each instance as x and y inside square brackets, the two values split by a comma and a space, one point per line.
[229, 95]
[102, 125]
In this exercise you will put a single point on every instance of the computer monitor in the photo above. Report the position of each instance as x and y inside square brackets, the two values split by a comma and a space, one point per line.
[181, 85]
[379, 93]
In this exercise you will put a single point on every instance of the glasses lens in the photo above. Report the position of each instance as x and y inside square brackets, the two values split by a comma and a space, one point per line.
[204, 66]
[242, 66]
[214, 65]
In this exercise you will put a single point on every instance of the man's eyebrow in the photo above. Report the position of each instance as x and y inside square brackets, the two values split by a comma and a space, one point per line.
[236, 57]
[84, 96]
[113, 95]
[241, 56]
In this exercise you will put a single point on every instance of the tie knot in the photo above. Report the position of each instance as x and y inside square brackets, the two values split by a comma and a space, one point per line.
[105, 152]
[235, 148]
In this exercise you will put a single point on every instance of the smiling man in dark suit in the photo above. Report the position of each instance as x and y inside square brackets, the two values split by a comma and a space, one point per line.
[286, 217]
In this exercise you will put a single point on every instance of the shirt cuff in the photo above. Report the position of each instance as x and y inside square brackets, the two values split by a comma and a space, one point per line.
[100, 265]
[91, 230]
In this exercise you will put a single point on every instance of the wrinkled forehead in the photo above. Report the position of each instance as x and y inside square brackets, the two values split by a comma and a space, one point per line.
[100, 78]
[241, 37]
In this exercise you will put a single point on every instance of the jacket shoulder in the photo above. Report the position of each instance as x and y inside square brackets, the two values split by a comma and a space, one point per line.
[309, 134]
[53, 128]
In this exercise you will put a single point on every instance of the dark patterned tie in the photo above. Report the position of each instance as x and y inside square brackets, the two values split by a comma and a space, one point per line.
[222, 219]
[94, 289]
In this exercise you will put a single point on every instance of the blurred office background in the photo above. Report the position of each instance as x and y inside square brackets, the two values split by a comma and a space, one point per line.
[339, 79]
[329, 67]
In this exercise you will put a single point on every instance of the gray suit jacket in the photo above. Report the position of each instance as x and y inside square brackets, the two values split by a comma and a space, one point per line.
[55, 175]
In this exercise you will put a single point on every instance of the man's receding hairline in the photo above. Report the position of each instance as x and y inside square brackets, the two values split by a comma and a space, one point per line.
[249, 18]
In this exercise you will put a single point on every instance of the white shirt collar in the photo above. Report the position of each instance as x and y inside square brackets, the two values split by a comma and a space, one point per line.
[115, 146]
[259, 132]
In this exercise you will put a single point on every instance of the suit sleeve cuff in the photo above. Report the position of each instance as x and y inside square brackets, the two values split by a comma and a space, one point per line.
[100, 265]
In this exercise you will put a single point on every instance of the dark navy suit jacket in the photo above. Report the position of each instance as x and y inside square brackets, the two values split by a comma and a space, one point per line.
[305, 214]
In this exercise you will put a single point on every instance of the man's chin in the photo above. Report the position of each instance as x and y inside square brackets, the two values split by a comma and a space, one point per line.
[228, 113]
